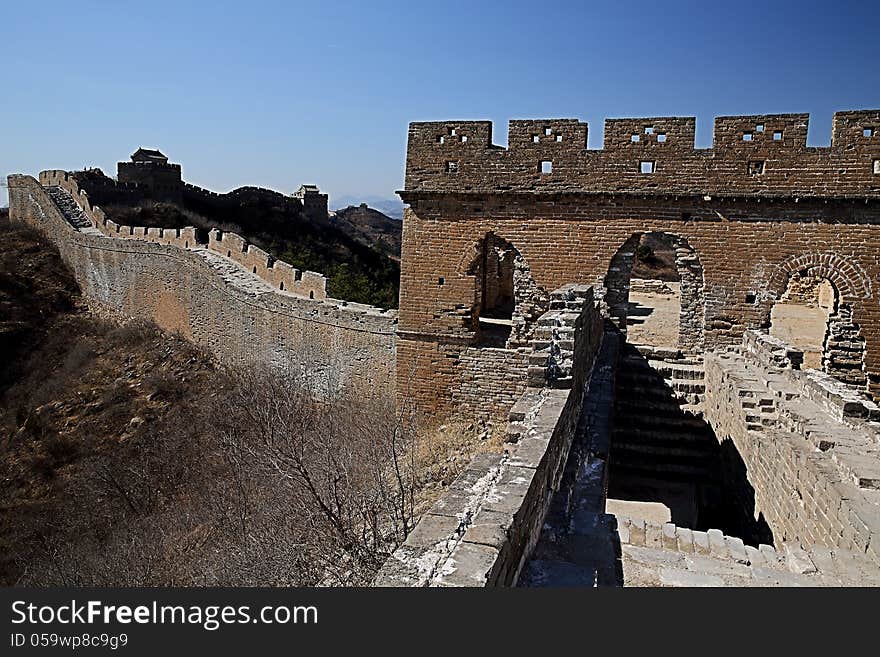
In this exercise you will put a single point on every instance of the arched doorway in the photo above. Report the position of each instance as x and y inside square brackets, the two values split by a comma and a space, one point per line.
[802, 315]
[801, 278]
[654, 291]
[507, 301]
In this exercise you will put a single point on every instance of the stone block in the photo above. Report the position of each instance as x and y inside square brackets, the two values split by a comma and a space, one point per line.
[686, 578]
[701, 543]
[470, 564]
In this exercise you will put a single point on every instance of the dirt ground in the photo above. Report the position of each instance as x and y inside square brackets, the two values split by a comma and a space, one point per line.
[653, 318]
[801, 326]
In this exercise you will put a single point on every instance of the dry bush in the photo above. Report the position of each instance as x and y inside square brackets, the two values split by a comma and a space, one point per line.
[132, 334]
[120, 473]
[164, 386]
[442, 452]
[250, 481]
[346, 465]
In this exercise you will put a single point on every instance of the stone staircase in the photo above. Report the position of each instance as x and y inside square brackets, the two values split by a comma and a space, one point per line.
[666, 555]
[553, 342]
[69, 208]
[659, 432]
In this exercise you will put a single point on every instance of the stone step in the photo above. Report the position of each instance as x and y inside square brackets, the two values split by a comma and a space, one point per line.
[649, 467]
[678, 370]
[68, 207]
[681, 423]
[657, 352]
[661, 387]
[621, 450]
[653, 378]
[653, 394]
[661, 437]
[655, 407]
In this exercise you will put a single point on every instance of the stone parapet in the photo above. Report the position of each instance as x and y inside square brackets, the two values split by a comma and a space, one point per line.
[759, 155]
[814, 474]
[214, 300]
[481, 531]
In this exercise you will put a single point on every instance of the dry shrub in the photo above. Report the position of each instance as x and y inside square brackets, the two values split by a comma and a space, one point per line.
[164, 386]
[132, 334]
[443, 452]
[346, 466]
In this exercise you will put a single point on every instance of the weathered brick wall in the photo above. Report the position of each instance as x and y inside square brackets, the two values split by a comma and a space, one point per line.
[807, 467]
[484, 527]
[747, 250]
[813, 211]
[458, 156]
[809, 291]
[155, 179]
[490, 381]
[213, 302]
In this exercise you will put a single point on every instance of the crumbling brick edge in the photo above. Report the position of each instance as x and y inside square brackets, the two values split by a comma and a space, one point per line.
[483, 529]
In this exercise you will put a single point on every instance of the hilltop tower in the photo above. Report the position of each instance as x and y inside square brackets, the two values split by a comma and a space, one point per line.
[149, 169]
[314, 202]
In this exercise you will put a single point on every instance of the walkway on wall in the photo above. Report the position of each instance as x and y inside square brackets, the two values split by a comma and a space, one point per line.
[584, 543]
[230, 271]
[69, 209]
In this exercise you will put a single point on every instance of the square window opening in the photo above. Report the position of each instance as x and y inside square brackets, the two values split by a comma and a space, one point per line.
[634, 138]
[441, 281]
[661, 137]
[777, 135]
[747, 136]
[750, 297]
[452, 167]
[464, 139]
[756, 168]
[535, 139]
[647, 166]
[452, 132]
[441, 139]
[548, 132]
[759, 127]
[649, 130]
[558, 137]
[546, 167]
[877, 167]
[868, 132]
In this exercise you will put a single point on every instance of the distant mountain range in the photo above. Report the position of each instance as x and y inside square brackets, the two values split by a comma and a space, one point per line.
[392, 207]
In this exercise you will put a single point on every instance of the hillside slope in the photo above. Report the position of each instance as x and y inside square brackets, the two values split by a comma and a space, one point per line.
[128, 457]
[371, 227]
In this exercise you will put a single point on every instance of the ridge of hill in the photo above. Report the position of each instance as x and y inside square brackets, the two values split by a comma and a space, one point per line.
[371, 227]
[356, 270]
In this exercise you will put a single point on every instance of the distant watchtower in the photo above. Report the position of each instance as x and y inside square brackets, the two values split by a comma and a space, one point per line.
[314, 202]
[150, 170]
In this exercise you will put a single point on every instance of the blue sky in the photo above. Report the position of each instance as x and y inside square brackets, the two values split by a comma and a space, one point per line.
[280, 93]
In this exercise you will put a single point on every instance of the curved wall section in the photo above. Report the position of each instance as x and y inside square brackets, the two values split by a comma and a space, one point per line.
[217, 303]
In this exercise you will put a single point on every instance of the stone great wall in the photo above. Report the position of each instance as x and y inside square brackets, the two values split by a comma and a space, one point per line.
[515, 279]
[217, 290]
[724, 431]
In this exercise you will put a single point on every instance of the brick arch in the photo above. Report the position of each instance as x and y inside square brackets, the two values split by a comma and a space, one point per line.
[692, 316]
[848, 277]
[844, 348]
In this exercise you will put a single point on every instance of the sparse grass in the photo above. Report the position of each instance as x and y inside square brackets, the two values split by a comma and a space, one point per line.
[443, 452]
[114, 469]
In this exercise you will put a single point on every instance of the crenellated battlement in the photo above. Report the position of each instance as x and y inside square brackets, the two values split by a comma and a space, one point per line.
[280, 275]
[754, 155]
[172, 277]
